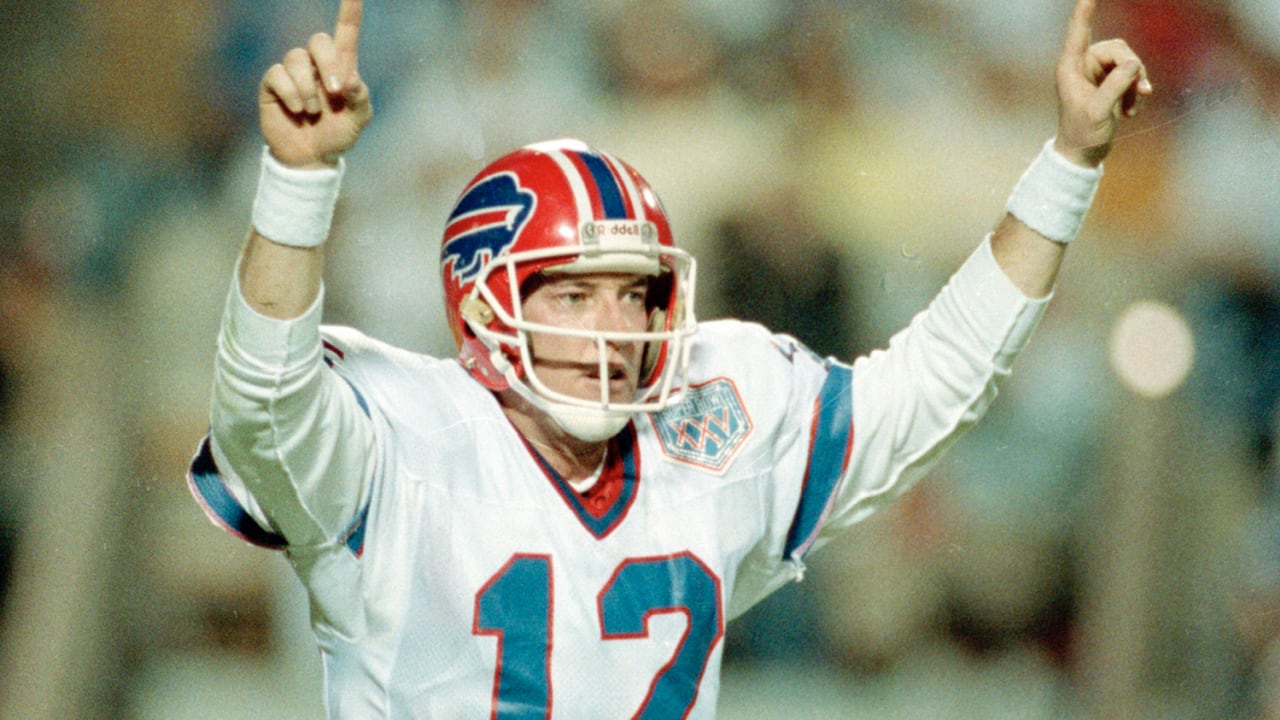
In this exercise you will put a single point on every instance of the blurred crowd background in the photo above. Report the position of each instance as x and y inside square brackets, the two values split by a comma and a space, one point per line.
[1105, 545]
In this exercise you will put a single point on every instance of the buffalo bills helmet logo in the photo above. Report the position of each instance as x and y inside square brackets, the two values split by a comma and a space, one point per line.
[484, 224]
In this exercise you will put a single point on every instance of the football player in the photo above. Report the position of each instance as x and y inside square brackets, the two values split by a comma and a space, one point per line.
[559, 521]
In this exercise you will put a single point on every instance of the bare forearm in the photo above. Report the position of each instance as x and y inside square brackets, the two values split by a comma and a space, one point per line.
[1029, 259]
[279, 281]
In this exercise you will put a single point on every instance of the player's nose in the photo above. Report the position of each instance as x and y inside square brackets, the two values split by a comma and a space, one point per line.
[617, 315]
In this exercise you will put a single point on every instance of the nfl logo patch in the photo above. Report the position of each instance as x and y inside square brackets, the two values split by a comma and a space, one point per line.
[707, 429]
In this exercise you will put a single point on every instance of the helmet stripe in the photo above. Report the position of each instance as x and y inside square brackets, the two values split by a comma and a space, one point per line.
[611, 198]
[631, 192]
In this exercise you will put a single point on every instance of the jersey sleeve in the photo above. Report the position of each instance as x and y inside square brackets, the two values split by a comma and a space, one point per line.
[850, 438]
[291, 448]
[908, 403]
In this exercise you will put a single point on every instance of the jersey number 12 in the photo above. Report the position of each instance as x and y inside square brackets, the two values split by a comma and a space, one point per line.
[515, 607]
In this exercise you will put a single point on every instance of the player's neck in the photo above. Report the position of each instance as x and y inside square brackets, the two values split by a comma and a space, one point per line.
[574, 459]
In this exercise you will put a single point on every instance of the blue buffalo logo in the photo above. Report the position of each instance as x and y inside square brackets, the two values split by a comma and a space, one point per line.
[484, 224]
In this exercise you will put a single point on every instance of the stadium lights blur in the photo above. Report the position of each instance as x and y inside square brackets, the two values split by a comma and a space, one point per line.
[1151, 348]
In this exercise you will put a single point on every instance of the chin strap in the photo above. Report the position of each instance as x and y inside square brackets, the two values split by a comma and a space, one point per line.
[588, 424]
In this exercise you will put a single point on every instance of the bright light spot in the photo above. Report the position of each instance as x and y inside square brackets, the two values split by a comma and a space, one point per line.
[1152, 348]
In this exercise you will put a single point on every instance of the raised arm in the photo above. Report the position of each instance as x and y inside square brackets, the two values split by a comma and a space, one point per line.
[939, 375]
[312, 107]
[1098, 84]
[289, 443]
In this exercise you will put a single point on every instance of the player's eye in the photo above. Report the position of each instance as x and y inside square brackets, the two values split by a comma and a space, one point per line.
[571, 297]
[636, 293]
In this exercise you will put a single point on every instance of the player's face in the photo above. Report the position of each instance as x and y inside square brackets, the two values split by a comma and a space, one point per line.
[601, 302]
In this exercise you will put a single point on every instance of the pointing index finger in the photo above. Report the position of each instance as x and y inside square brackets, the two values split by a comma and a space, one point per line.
[1078, 32]
[346, 36]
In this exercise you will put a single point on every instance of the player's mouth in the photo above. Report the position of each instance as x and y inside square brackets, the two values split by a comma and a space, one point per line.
[616, 376]
[582, 378]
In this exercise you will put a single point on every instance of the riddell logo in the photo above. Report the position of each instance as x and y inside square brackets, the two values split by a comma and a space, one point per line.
[484, 225]
[707, 429]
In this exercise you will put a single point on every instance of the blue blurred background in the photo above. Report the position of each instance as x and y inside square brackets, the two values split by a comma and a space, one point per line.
[1105, 545]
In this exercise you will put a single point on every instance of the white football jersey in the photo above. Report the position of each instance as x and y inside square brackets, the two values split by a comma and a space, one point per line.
[453, 574]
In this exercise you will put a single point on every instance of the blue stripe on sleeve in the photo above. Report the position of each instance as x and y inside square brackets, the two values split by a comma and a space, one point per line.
[206, 483]
[828, 455]
[355, 536]
[364, 404]
[223, 506]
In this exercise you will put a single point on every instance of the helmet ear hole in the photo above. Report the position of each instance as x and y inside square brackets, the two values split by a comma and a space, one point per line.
[476, 310]
[660, 289]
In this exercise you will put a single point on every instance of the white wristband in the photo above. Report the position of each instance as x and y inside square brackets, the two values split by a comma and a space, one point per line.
[1054, 194]
[295, 206]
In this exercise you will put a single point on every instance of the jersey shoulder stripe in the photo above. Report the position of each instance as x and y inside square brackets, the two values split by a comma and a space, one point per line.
[831, 441]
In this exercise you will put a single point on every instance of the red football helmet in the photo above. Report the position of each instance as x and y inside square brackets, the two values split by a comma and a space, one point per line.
[567, 206]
